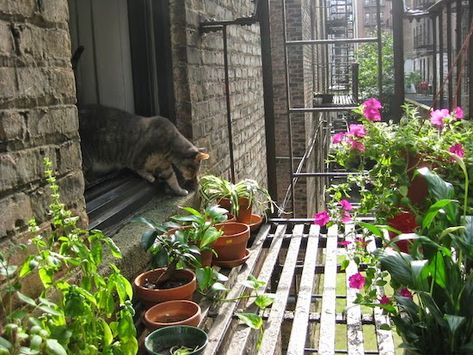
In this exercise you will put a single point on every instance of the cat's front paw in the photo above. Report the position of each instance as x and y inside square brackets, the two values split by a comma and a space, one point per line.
[181, 192]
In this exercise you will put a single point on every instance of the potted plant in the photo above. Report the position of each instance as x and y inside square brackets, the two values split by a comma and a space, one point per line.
[176, 340]
[384, 157]
[199, 229]
[171, 280]
[238, 198]
[431, 290]
[231, 246]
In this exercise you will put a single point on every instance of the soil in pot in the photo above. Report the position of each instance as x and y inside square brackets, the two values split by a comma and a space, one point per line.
[165, 285]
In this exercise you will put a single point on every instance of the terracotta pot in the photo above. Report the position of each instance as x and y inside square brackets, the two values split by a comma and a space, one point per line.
[244, 212]
[178, 312]
[418, 189]
[152, 296]
[405, 222]
[232, 244]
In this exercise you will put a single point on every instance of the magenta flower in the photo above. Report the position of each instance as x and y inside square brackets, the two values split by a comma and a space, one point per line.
[458, 113]
[337, 138]
[371, 109]
[346, 217]
[356, 281]
[355, 145]
[346, 205]
[384, 300]
[344, 243]
[404, 292]
[321, 218]
[358, 130]
[437, 117]
[457, 149]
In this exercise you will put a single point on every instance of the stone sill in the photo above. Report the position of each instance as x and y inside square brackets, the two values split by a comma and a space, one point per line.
[135, 259]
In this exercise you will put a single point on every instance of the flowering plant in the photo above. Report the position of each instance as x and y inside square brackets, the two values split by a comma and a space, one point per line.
[383, 158]
[431, 290]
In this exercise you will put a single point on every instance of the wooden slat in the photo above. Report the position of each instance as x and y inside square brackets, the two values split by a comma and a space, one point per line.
[242, 334]
[304, 296]
[327, 321]
[384, 337]
[354, 326]
[222, 322]
[276, 316]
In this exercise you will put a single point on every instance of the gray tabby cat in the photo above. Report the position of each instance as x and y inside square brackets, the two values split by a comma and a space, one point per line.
[112, 139]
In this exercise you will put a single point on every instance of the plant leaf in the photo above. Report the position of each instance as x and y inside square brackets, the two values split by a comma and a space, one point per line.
[54, 347]
[263, 301]
[252, 320]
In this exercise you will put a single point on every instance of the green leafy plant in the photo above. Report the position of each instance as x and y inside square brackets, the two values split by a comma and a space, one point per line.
[200, 227]
[213, 188]
[79, 309]
[210, 282]
[433, 285]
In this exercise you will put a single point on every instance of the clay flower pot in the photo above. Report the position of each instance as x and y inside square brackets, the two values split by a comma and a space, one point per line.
[205, 255]
[151, 296]
[232, 244]
[244, 212]
[178, 312]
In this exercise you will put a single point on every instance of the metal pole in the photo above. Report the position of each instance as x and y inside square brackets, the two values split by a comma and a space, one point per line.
[449, 53]
[289, 121]
[398, 52]
[227, 99]
[380, 47]
[354, 72]
[434, 59]
[266, 61]
[458, 44]
[470, 62]
[440, 30]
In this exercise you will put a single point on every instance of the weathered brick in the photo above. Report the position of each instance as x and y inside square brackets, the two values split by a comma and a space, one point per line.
[53, 120]
[8, 84]
[12, 125]
[16, 211]
[55, 11]
[25, 8]
[6, 39]
[69, 157]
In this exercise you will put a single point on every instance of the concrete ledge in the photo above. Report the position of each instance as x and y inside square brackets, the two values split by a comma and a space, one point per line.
[135, 259]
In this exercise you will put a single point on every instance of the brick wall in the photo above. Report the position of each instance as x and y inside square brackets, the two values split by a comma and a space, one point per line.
[200, 90]
[37, 114]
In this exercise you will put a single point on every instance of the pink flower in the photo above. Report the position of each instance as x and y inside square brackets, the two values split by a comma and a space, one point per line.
[457, 149]
[337, 138]
[355, 145]
[371, 109]
[458, 113]
[321, 218]
[404, 292]
[437, 117]
[358, 130]
[346, 205]
[344, 243]
[356, 281]
[384, 300]
[346, 217]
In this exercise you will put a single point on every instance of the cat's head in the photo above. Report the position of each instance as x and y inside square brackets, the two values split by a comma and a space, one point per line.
[189, 164]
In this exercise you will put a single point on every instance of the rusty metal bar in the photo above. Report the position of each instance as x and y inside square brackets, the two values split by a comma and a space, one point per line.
[441, 57]
[398, 51]
[333, 41]
[380, 47]
[434, 60]
[449, 53]
[227, 100]
[289, 120]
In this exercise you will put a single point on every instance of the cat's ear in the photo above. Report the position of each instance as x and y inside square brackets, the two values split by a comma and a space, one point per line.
[202, 154]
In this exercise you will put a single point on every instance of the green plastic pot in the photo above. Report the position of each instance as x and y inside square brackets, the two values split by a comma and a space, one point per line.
[162, 340]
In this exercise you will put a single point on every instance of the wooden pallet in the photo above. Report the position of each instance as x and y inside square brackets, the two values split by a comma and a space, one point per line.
[299, 266]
